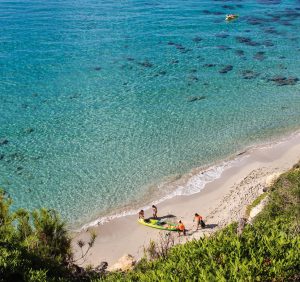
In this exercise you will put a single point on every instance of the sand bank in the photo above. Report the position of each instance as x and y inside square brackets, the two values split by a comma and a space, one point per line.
[220, 202]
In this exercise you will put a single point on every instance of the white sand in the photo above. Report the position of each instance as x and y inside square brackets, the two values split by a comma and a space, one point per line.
[222, 201]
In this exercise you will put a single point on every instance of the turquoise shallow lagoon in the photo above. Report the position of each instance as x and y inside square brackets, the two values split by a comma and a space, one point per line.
[103, 101]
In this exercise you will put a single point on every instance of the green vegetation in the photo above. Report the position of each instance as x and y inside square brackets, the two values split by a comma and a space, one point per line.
[268, 250]
[36, 247]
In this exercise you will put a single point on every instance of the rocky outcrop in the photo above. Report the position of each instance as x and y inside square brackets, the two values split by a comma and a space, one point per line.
[125, 263]
[257, 209]
[270, 179]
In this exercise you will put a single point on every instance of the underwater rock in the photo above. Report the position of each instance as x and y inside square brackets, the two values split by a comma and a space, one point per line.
[162, 72]
[222, 35]
[272, 30]
[223, 47]
[197, 39]
[268, 43]
[28, 130]
[209, 65]
[193, 78]
[260, 56]
[269, 2]
[282, 80]
[226, 69]
[249, 74]
[255, 21]
[97, 68]
[74, 96]
[3, 141]
[206, 12]
[246, 40]
[16, 156]
[171, 43]
[239, 52]
[283, 67]
[195, 98]
[146, 64]
[217, 13]
[230, 7]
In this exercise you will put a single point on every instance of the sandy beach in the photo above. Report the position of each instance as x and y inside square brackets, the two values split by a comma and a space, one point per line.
[220, 202]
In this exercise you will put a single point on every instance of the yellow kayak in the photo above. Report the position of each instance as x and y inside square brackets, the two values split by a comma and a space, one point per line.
[162, 225]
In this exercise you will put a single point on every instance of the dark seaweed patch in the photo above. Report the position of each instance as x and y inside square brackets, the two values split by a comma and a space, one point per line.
[146, 64]
[272, 30]
[193, 78]
[268, 43]
[229, 7]
[162, 72]
[222, 35]
[239, 52]
[209, 65]
[246, 40]
[197, 39]
[223, 47]
[174, 61]
[28, 130]
[282, 80]
[226, 69]
[3, 141]
[269, 2]
[195, 98]
[260, 56]
[249, 74]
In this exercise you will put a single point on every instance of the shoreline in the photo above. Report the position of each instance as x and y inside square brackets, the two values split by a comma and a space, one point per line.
[221, 201]
[197, 178]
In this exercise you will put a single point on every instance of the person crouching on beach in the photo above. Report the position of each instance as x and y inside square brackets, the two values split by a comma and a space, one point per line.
[181, 228]
[197, 219]
[141, 214]
[154, 210]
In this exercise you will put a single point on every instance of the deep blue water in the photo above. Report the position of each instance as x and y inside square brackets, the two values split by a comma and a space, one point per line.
[102, 101]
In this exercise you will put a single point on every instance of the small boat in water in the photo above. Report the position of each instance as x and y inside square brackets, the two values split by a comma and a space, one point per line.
[231, 17]
[162, 225]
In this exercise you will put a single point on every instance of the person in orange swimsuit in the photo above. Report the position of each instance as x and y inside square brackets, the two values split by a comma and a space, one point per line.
[181, 228]
[197, 219]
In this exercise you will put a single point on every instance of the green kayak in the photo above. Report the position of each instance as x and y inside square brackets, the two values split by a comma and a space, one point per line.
[154, 223]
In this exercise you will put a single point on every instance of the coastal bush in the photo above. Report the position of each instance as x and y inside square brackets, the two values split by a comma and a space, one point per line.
[267, 250]
[35, 246]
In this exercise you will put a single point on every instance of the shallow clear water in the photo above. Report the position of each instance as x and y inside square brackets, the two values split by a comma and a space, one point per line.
[101, 101]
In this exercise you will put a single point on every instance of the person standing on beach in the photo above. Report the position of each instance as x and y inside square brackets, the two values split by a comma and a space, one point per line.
[141, 214]
[197, 219]
[154, 210]
[181, 228]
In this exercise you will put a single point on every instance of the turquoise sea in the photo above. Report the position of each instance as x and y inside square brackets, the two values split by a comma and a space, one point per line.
[104, 103]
